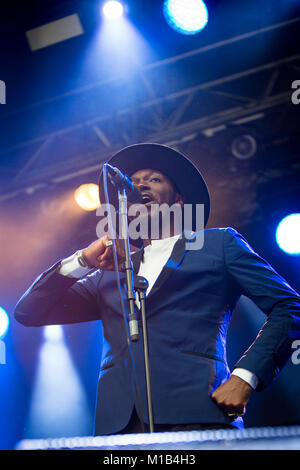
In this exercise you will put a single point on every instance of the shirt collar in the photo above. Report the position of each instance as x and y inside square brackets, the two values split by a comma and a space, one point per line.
[164, 241]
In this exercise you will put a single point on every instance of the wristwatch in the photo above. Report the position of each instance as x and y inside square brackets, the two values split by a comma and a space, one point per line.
[81, 260]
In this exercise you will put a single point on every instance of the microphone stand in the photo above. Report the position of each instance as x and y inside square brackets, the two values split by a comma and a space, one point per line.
[142, 285]
[133, 324]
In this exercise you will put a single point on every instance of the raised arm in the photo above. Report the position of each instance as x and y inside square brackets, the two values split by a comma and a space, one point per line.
[66, 293]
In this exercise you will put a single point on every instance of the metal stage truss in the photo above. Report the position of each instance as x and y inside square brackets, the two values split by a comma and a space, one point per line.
[169, 103]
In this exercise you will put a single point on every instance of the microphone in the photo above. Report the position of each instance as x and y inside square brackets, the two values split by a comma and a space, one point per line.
[119, 180]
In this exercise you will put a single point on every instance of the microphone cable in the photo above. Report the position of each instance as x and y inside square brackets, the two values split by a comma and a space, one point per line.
[115, 256]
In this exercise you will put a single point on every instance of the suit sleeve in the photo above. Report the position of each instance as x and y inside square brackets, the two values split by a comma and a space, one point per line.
[272, 294]
[57, 299]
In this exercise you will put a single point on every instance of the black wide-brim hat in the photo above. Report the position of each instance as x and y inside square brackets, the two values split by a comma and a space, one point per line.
[173, 164]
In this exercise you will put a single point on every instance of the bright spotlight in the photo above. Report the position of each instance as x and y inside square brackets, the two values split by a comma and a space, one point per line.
[59, 405]
[87, 197]
[186, 16]
[288, 234]
[53, 333]
[113, 10]
[4, 322]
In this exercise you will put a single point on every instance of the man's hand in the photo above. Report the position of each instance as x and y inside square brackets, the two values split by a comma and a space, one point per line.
[99, 254]
[232, 396]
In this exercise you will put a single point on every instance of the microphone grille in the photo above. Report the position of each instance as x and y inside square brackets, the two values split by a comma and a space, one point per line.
[135, 196]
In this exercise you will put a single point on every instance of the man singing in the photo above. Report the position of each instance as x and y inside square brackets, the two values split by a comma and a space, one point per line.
[190, 298]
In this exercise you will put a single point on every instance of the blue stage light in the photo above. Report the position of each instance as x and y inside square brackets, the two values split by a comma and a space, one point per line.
[59, 405]
[53, 333]
[113, 9]
[288, 234]
[186, 16]
[4, 322]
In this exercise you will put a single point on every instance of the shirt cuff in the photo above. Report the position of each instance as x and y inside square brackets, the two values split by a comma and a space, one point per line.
[247, 376]
[70, 267]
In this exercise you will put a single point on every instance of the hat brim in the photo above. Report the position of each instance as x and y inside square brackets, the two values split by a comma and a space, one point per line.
[176, 166]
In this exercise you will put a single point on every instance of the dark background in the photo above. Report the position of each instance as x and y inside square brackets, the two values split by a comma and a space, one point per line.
[70, 106]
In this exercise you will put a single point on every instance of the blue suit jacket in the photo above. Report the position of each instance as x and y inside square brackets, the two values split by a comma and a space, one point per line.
[188, 313]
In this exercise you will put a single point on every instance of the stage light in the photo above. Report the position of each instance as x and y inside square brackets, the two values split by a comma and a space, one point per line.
[59, 405]
[4, 322]
[113, 10]
[53, 333]
[288, 234]
[186, 16]
[87, 197]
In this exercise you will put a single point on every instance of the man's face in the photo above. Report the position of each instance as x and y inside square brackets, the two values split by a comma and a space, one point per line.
[158, 193]
[156, 188]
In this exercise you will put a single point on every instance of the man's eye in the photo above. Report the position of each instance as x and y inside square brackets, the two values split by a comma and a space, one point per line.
[155, 179]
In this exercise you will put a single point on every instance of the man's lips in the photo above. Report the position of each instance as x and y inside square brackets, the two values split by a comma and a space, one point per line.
[147, 199]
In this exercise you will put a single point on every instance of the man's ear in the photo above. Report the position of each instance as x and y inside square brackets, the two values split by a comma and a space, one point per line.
[178, 199]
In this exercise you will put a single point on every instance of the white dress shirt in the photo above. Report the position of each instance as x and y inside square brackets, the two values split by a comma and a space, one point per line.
[155, 257]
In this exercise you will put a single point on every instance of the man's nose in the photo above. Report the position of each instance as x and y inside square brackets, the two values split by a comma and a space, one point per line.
[143, 186]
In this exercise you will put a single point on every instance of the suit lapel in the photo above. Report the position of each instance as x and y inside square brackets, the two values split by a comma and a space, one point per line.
[175, 259]
[136, 259]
